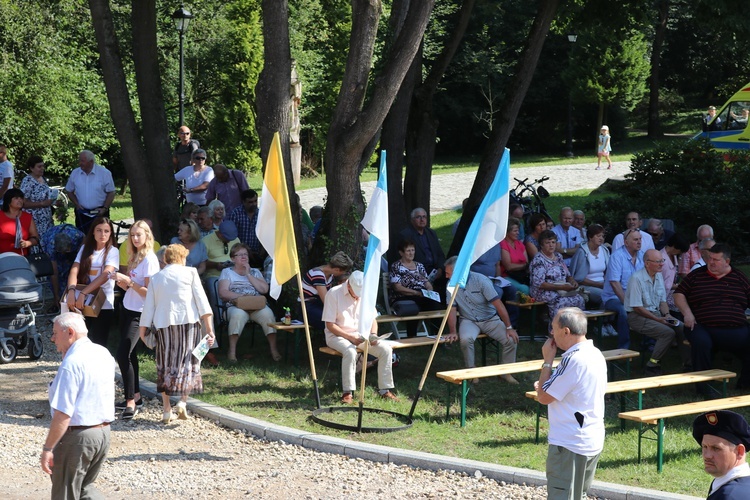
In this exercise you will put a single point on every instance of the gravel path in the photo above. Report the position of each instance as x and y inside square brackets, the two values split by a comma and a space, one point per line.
[199, 459]
[448, 190]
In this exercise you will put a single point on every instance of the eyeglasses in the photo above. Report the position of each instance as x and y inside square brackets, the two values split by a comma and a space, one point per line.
[627, 233]
[201, 158]
[226, 247]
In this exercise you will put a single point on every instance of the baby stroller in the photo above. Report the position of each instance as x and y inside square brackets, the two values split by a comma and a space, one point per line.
[18, 290]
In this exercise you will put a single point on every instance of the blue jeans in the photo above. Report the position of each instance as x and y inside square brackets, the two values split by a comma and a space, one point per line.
[621, 323]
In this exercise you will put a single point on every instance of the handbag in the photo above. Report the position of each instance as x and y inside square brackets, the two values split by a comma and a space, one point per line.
[40, 263]
[251, 302]
[149, 339]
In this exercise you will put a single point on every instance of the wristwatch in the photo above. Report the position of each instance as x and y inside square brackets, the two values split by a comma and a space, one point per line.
[546, 365]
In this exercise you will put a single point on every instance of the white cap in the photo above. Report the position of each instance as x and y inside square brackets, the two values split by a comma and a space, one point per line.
[356, 281]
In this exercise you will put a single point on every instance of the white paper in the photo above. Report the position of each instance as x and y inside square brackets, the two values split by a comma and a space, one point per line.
[201, 349]
[431, 294]
[503, 282]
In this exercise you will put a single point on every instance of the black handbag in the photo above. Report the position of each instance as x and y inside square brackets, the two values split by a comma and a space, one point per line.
[40, 263]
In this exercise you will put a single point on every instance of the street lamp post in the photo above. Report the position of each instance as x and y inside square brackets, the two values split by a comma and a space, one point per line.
[572, 37]
[182, 19]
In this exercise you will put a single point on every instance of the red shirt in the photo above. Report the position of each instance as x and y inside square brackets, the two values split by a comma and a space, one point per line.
[8, 232]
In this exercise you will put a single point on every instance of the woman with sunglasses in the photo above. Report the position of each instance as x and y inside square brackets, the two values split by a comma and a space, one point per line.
[196, 177]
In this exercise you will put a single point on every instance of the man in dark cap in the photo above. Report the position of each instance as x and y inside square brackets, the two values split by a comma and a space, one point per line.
[724, 437]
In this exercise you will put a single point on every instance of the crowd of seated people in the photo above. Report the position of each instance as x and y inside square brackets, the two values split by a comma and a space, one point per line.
[563, 265]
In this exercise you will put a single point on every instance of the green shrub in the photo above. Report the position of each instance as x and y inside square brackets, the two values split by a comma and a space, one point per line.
[688, 182]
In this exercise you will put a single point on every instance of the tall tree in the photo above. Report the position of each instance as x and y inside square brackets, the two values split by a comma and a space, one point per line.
[133, 151]
[354, 123]
[507, 115]
[654, 123]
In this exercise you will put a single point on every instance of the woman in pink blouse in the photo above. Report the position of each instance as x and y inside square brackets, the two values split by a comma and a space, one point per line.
[514, 261]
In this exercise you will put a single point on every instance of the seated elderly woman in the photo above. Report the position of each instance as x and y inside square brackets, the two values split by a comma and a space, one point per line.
[189, 236]
[589, 264]
[244, 281]
[408, 278]
[551, 281]
[217, 211]
[514, 261]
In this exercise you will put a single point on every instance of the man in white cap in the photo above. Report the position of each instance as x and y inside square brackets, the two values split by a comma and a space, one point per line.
[341, 317]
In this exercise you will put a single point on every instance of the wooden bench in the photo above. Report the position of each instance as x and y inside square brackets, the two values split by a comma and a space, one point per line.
[463, 376]
[641, 385]
[598, 315]
[656, 416]
[531, 308]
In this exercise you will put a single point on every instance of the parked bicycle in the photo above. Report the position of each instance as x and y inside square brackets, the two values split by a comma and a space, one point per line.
[531, 196]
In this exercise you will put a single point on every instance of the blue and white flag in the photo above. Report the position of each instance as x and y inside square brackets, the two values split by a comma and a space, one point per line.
[376, 223]
[489, 224]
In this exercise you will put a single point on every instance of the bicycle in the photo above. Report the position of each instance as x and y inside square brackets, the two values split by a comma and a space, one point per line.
[120, 225]
[530, 196]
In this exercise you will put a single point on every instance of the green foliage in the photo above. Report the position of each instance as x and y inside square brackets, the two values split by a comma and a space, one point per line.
[688, 182]
[54, 103]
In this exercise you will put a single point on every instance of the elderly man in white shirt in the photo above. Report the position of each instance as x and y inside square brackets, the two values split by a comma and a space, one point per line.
[91, 189]
[81, 401]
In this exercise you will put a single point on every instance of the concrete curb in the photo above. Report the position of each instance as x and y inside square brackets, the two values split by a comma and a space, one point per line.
[397, 456]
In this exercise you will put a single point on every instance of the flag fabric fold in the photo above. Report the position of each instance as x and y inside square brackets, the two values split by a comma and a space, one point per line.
[489, 225]
[375, 222]
[275, 228]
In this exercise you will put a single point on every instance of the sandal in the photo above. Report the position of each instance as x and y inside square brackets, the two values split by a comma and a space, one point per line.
[168, 417]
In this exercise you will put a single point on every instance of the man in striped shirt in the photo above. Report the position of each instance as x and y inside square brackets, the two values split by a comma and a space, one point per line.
[713, 300]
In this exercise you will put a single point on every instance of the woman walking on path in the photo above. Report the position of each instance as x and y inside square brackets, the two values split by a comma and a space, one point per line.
[176, 305]
[133, 279]
[604, 148]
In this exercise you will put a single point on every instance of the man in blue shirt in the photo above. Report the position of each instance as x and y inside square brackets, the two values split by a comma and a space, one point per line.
[622, 264]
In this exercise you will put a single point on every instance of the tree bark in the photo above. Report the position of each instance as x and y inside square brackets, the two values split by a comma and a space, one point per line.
[133, 152]
[353, 124]
[393, 136]
[422, 131]
[502, 129]
[273, 98]
[654, 122]
[154, 120]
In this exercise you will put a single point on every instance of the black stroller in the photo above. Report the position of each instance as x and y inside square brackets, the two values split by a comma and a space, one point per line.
[18, 290]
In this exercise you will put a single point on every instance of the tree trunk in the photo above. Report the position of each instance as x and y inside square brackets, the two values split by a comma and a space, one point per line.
[507, 117]
[154, 120]
[393, 137]
[273, 100]
[654, 122]
[133, 153]
[353, 124]
[422, 131]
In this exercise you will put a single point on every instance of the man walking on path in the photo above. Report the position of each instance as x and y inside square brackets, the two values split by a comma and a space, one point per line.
[574, 393]
[81, 400]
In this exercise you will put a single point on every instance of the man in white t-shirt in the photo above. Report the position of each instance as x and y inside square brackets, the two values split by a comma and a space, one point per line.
[6, 171]
[574, 395]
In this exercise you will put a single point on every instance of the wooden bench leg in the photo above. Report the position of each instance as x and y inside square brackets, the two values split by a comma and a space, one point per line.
[464, 393]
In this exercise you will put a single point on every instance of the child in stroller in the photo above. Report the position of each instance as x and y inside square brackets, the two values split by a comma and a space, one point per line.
[18, 290]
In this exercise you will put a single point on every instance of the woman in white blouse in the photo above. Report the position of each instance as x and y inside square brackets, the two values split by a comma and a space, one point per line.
[196, 177]
[589, 264]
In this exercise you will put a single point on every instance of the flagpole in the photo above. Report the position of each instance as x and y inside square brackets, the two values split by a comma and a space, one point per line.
[432, 354]
[362, 383]
[307, 337]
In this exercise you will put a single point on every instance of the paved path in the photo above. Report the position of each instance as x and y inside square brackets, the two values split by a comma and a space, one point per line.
[448, 190]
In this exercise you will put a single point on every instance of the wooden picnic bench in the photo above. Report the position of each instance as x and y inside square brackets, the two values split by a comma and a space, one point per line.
[531, 308]
[298, 328]
[463, 376]
[641, 385]
[656, 417]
